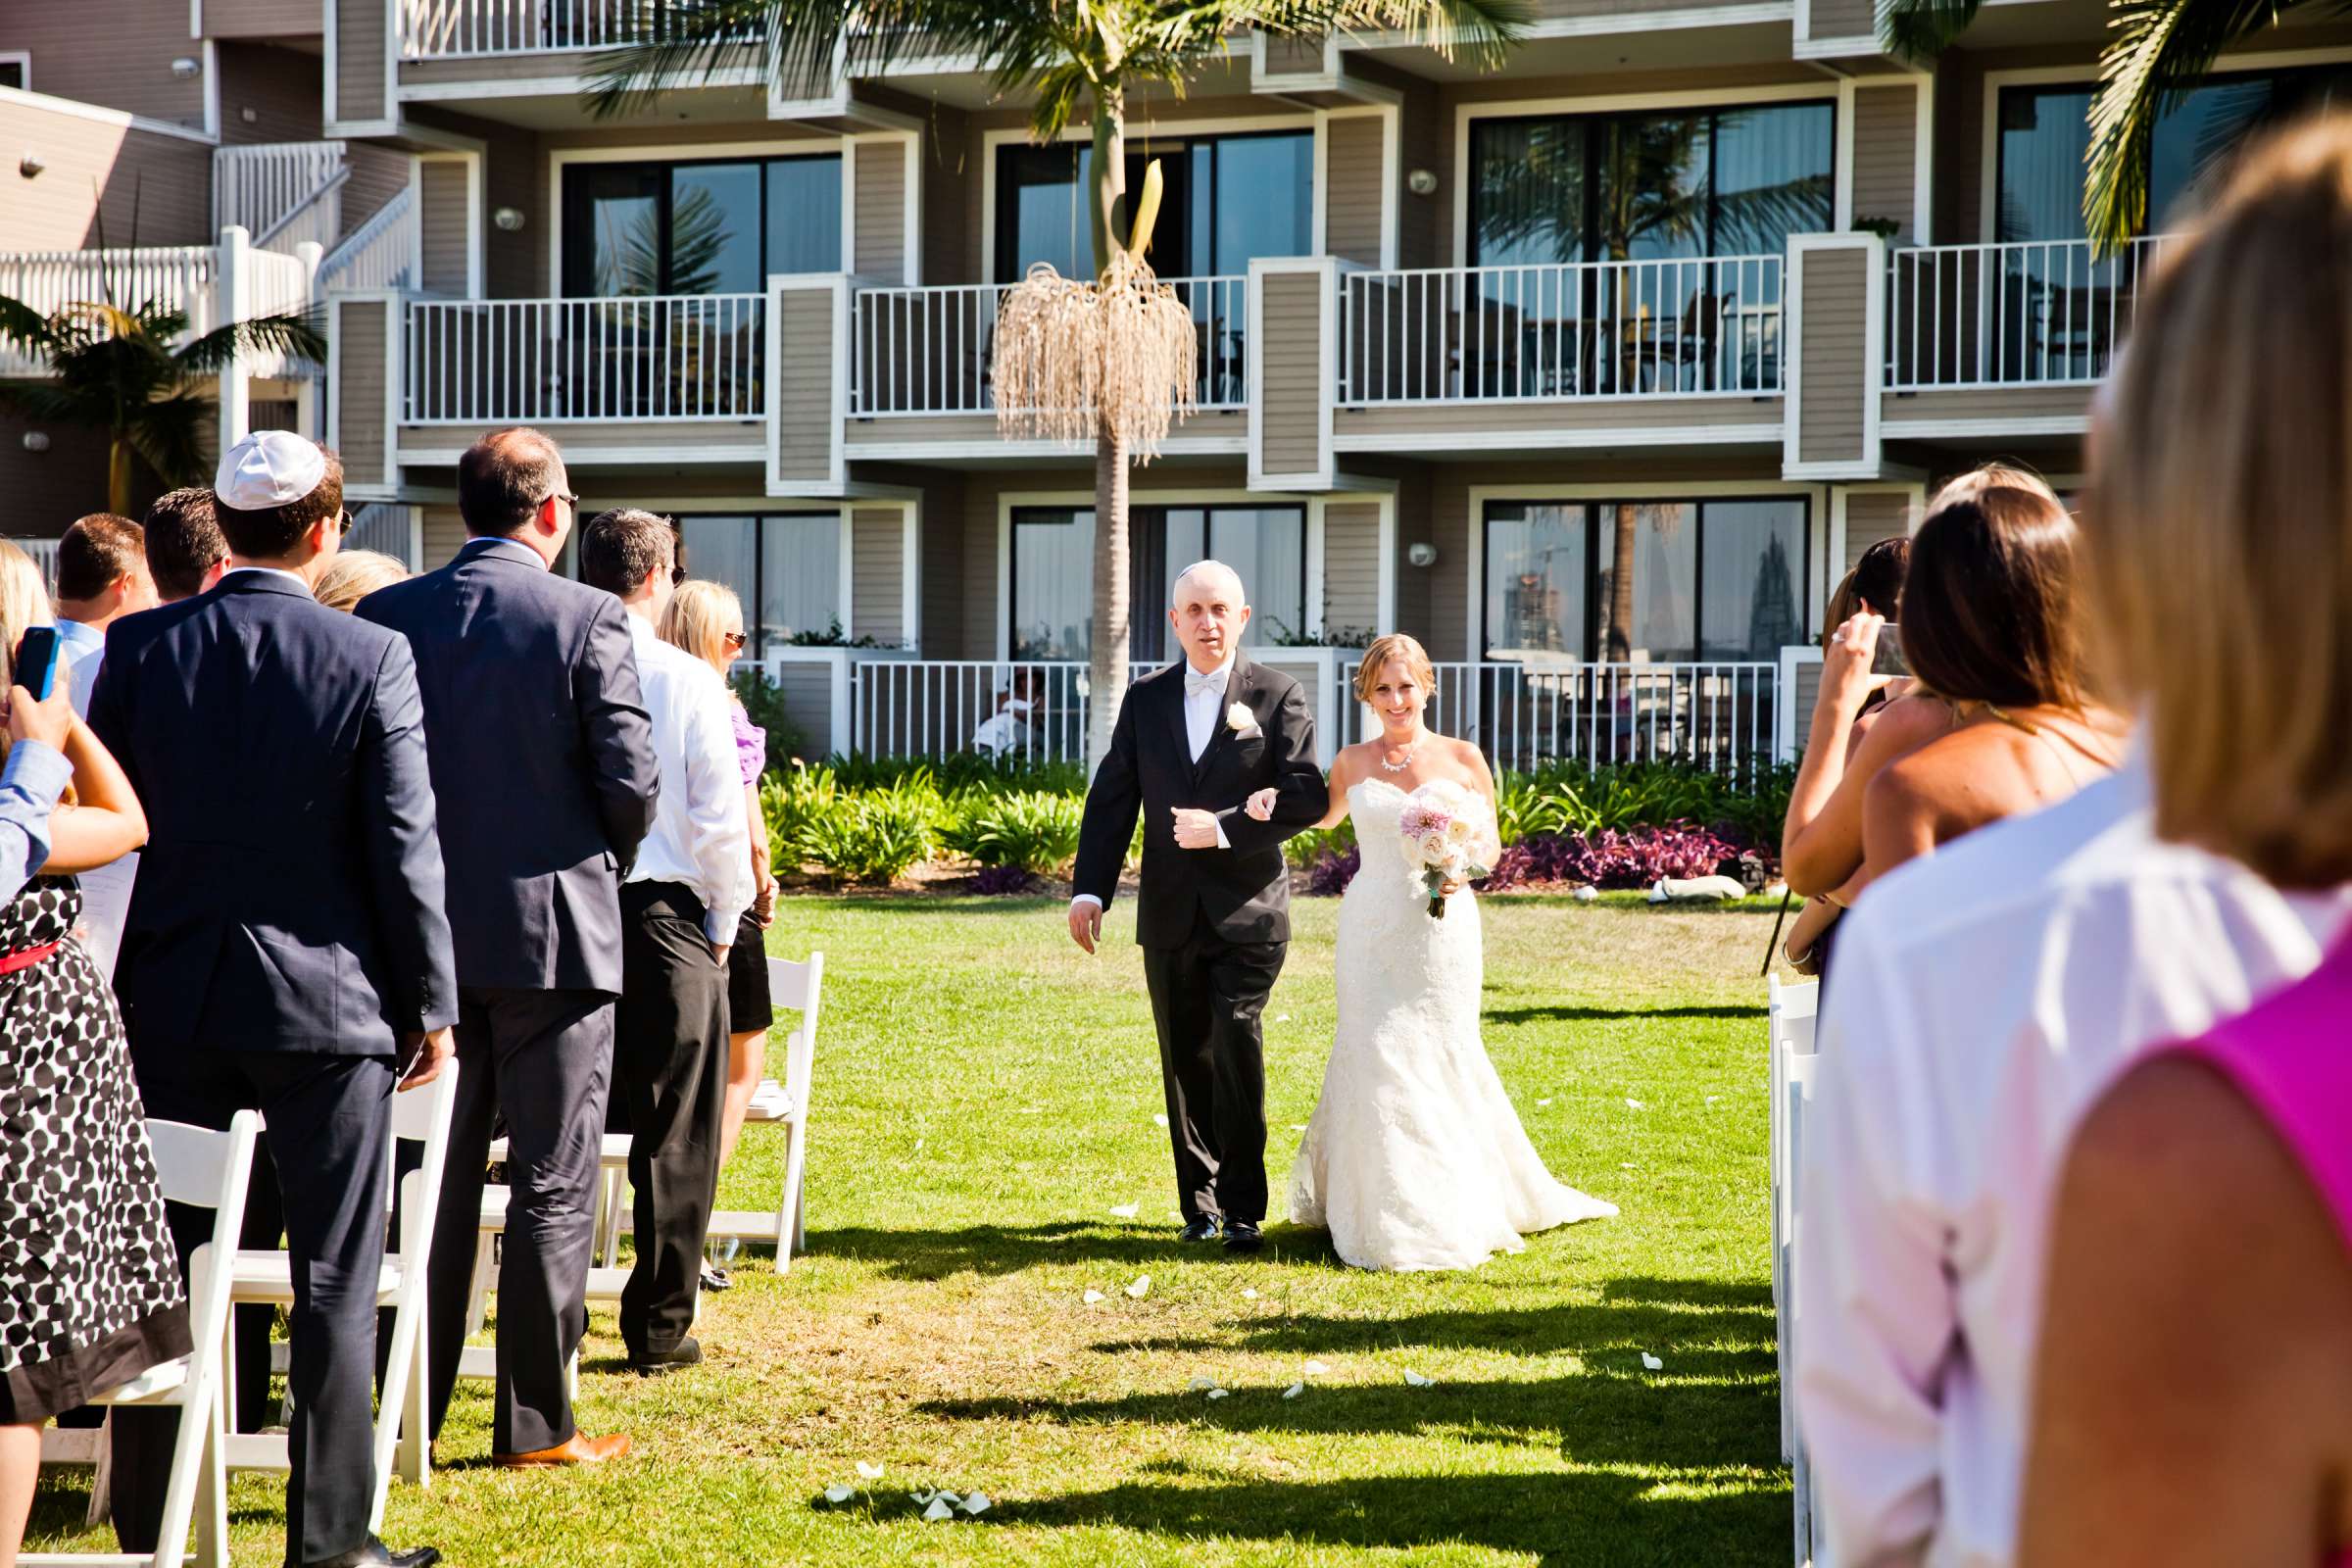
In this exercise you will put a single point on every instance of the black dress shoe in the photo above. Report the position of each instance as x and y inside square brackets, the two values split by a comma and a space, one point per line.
[373, 1553]
[688, 1352]
[1204, 1229]
[1241, 1237]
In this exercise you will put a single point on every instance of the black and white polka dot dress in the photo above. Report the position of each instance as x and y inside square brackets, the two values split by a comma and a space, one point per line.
[90, 1293]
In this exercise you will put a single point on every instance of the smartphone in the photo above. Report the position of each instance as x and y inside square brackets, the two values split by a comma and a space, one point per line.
[37, 662]
[1887, 659]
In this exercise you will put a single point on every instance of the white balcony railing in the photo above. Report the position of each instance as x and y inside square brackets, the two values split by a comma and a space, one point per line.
[184, 278]
[1694, 328]
[929, 350]
[378, 254]
[263, 187]
[656, 359]
[2041, 312]
[451, 29]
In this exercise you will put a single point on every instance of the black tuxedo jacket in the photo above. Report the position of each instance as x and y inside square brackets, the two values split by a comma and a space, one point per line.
[290, 896]
[542, 756]
[1245, 891]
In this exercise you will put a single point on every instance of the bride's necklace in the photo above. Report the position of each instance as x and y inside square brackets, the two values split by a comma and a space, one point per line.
[1405, 758]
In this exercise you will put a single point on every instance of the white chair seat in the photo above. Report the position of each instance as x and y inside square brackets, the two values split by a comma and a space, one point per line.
[614, 1151]
[150, 1385]
[267, 1278]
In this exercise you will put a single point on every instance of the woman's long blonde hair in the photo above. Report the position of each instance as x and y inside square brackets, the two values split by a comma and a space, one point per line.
[23, 604]
[2219, 528]
[699, 615]
[353, 574]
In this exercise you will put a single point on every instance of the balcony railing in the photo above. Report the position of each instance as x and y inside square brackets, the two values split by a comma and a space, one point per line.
[2043, 312]
[454, 29]
[184, 277]
[378, 253]
[655, 359]
[929, 350]
[266, 186]
[1699, 327]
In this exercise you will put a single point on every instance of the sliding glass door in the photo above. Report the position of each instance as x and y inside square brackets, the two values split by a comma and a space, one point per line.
[1053, 563]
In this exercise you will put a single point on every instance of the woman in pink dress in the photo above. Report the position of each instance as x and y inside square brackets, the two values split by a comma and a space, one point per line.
[2193, 1390]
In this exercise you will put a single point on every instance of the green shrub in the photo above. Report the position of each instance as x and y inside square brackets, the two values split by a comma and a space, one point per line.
[1306, 849]
[1033, 829]
[965, 771]
[871, 838]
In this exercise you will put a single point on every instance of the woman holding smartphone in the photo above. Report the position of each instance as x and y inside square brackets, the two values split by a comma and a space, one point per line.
[90, 1294]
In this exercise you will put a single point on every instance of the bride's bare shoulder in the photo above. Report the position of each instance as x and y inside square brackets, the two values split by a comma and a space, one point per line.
[1352, 761]
[1465, 755]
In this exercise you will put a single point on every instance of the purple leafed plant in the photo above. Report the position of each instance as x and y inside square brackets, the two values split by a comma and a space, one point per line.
[1002, 879]
[1612, 858]
[1331, 871]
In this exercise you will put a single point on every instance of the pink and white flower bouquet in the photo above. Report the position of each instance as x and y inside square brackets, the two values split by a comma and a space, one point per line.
[1449, 836]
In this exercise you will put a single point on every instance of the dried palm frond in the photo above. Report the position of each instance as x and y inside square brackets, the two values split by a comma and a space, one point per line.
[1072, 357]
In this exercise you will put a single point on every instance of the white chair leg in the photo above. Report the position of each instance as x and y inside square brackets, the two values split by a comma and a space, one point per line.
[415, 1456]
[102, 1475]
[790, 1231]
[212, 1512]
[477, 1301]
[615, 1195]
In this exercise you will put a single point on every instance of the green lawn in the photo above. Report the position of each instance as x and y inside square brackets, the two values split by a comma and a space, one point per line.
[985, 1097]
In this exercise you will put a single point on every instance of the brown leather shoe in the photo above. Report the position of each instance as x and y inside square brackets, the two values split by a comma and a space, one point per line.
[579, 1448]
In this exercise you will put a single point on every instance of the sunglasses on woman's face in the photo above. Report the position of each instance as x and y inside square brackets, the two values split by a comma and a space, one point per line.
[735, 639]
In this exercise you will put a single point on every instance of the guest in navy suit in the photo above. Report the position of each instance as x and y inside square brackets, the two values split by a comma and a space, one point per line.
[286, 949]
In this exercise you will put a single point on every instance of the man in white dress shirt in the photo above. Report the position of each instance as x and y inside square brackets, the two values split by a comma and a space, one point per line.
[679, 904]
[101, 576]
[1981, 998]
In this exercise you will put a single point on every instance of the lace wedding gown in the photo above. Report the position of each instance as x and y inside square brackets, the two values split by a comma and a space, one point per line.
[1414, 1157]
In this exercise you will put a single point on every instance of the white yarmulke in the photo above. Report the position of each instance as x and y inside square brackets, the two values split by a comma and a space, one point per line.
[268, 468]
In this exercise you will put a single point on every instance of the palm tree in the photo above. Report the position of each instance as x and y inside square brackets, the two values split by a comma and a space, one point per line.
[2158, 50]
[114, 369]
[1075, 58]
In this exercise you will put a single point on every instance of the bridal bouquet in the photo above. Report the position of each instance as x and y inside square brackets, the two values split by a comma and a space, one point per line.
[1447, 837]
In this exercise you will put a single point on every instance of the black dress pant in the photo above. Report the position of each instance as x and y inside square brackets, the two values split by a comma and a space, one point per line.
[1208, 998]
[669, 1076]
[330, 1120]
[544, 1060]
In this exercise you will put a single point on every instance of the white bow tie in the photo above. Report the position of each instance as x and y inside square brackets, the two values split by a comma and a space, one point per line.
[1194, 683]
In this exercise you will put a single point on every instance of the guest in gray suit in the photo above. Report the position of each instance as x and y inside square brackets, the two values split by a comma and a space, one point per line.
[543, 762]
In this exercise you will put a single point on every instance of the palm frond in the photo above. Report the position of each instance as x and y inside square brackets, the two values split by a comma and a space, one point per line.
[1486, 28]
[105, 319]
[2161, 49]
[26, 328]
[168, 435]
[298, 336]
[1918, 30]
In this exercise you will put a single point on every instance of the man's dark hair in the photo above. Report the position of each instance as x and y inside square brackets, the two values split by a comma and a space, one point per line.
[272, 531]
[504, 477]
[184, 542]
[95, 551]
[620, 547]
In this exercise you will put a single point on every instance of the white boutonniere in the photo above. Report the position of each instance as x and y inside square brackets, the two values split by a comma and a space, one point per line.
[1239, 718]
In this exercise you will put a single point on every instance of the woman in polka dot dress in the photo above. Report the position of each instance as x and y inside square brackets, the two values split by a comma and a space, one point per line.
[90, 1290]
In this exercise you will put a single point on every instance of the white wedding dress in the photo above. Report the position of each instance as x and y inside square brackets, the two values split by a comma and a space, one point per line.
[1414, 1157]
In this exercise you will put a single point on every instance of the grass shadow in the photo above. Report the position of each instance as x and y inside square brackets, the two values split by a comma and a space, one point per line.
[994, 1250]
[1582, 1013]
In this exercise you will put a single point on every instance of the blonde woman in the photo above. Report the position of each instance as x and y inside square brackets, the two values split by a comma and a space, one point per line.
[353, 574]
[90, 1294]
[1415, 1158]
[706, 619]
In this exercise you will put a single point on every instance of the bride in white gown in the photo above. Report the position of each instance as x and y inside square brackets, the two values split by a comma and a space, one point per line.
[1414, 1157]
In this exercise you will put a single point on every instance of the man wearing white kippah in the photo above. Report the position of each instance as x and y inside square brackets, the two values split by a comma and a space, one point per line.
[286, 949]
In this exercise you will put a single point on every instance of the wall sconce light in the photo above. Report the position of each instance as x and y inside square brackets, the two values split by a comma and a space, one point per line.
[31, 165]
[1421, 552]
[1421, 182]
[185, 68]
[509, 218]
[36, 440]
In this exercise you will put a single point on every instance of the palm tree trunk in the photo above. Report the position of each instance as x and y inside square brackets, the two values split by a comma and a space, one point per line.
[1621, 590]
[117, 477]
[1107, 647]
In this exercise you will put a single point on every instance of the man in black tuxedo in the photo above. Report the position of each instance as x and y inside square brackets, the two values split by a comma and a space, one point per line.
[544, 765]
[285, 943]
[1192, 743]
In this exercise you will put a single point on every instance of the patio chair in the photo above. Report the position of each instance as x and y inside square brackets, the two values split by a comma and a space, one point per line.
[203, 1169]
[264, 1277]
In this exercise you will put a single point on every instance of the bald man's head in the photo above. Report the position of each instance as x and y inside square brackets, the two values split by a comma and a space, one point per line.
[1208, 576]
[1210, 610]
[504, 478]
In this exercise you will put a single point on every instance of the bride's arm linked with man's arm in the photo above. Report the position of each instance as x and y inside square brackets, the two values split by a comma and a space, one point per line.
[1300, 794]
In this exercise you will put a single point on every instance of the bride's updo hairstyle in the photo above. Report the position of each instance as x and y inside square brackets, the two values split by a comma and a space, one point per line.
[1396, 645]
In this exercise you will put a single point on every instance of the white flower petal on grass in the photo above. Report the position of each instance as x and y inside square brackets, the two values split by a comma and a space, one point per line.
[1199, 1383]
[1541, 1104]
[943, 1495]
[918, 1499]
[869, 1472]
[1092, 1297]
[1298, 1126]
[840, 1494]
[1416, 1379]
[940, 1509]
[1627, 1165]
[1249, 1295]
[1314, 1369]
[1140, 1287]
[1218, 1393]
[1281, 1017]
[1651, 1363]
[1124, 1210]
[1294, 1390]
[1158, 1120]
[1631, 1103]
[976, 1505]
[1711, 1098]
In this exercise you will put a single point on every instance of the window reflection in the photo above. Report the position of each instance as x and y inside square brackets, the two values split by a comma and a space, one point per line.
[1053, 573]
[718, 227]
[784, 567]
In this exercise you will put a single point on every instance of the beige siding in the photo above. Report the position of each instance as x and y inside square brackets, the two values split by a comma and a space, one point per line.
[115, 53]
[360, 339]
[378, 175]
[1885, 156]
[878, 573]
[1292, 395]
[263, 19]
[1438, 421]
[807, 693]
[2003, 403]
[805, 418]
[359, 44]
[1842, 18]
[1809, 689]
[708, 441]
[284, 90]
[47, 490]
[1352, 568]
[1355, 188]
[442, 186]
[1563, 9]
[1293, 55]
[444, 534]
[100, 176]
[881, 218]
[1872, 515]
[1828, 424]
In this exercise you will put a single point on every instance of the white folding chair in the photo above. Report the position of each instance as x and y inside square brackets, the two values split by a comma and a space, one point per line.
[267, 1278]
[800, 985]
[604, 1278]
[1788, 1021]
[204, 1169]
